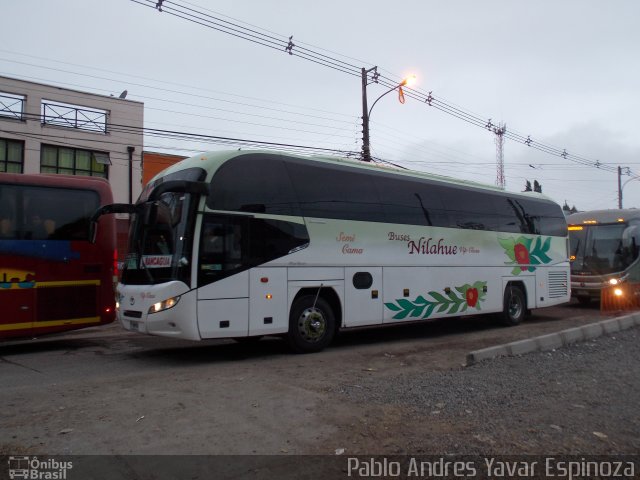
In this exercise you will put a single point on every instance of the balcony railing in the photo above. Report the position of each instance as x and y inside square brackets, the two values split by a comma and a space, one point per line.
[71, 116]
[12, 106]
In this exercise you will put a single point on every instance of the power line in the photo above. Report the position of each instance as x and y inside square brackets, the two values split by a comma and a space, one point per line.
[195, 137]
[602, 165]
[204, 97]
[269, 40]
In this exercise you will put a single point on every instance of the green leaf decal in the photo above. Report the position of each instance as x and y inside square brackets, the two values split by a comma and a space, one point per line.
[439, 298]
[507, 243]
[404, 303]
[526, 252]
[451, 302]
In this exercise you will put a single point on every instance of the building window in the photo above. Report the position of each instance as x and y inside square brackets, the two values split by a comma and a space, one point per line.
[73, 161]
[11, 155]
[12, 106]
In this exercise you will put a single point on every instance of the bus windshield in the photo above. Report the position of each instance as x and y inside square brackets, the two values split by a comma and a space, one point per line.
[599, 249]
[160, 241]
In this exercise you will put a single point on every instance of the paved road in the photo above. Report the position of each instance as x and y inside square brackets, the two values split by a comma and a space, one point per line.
[110, 391]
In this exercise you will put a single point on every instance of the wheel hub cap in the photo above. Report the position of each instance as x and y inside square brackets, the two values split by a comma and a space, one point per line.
[312, 325]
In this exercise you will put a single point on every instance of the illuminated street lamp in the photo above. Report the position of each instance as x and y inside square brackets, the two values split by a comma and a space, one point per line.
[366, 112]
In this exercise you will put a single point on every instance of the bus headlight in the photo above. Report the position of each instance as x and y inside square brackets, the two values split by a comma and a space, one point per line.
[618, 292]
[164, 305]
[614, 281]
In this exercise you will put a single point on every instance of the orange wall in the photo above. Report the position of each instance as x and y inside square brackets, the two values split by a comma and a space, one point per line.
[153, 163]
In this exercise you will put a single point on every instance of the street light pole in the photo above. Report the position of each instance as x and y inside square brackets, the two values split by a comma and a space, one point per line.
[366, 149]
[366, 112]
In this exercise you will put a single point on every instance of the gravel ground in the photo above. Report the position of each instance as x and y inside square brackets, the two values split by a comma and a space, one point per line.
[582, 399]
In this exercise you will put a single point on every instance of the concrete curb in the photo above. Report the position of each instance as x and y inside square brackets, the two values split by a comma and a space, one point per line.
[556, 340]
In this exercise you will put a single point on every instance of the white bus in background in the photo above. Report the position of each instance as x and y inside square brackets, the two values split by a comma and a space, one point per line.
[604, 251]
[248, 243]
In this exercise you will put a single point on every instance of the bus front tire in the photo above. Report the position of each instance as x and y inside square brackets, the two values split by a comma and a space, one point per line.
[312, 325]
[514, 306]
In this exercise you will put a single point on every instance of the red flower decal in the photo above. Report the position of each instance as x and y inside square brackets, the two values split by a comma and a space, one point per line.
[472, 296]
[522, 255]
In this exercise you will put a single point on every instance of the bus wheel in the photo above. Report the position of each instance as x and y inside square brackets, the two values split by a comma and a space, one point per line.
[311, 328]
[514, 306]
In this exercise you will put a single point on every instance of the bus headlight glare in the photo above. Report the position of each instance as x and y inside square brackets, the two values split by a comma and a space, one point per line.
[617, 292]
[164, 305]
[614, 281]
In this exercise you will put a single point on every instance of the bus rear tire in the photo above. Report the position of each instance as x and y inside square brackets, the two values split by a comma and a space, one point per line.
[311, 328]
[514, 306]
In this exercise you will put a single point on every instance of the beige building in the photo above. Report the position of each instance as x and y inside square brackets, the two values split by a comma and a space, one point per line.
[47, 129]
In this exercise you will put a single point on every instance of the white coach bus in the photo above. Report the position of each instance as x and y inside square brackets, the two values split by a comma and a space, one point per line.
[246, 244]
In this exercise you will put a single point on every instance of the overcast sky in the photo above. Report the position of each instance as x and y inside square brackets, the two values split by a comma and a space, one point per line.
[565, 72]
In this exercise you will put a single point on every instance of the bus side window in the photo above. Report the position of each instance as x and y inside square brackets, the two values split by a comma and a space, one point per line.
[213, 240]
[223, 249]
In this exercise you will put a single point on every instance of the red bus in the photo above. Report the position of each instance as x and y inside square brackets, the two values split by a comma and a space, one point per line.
[52, 277]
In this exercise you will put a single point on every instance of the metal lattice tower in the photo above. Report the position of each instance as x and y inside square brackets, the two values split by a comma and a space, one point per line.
[500, 131]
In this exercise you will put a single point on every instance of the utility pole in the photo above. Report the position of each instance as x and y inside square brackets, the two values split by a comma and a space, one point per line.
[366, 147]
[366, 112]
[620, 187]
[131, 150]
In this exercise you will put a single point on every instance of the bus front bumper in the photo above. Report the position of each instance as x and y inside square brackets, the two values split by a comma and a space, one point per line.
[166, 311]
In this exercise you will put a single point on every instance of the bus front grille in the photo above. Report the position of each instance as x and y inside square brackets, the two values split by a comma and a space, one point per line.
[558, 284]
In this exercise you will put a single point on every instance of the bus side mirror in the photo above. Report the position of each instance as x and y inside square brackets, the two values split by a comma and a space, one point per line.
[106, 210]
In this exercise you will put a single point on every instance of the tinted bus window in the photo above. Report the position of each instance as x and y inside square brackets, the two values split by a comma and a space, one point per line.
[509, 216]
[468, 208]
[542, 217]
[230, 244]
[328, 191]
[253, 183]
[410, 202]
[38, 213]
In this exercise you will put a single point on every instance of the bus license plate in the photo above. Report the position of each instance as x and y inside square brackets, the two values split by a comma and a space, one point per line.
[133, 325]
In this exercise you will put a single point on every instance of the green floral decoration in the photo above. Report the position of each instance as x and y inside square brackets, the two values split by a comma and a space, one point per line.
[525, 252]
[467, 296]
